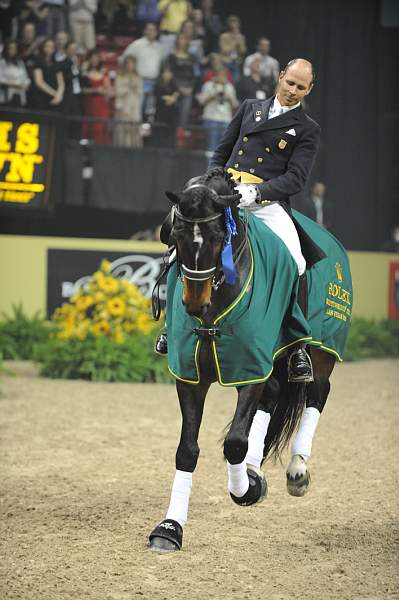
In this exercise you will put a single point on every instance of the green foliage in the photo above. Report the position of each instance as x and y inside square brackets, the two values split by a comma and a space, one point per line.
[372, 339]
[19, 333]
[101, 359]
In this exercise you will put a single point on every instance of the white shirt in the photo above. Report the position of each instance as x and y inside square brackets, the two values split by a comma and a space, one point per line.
[148, 57]
[216, 110]
[276, 109]
[269, 66]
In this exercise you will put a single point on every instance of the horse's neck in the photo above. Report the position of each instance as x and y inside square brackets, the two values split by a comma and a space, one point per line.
[226, 293]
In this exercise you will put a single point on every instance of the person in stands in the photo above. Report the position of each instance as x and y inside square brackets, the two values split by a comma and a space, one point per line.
[97, 92]
[128, 101]
[49, 85]
[14, 80]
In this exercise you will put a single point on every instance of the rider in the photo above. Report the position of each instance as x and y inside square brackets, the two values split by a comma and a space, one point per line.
[269, 148]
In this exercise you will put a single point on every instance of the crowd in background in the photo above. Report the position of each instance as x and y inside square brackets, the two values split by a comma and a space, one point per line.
[172, 63]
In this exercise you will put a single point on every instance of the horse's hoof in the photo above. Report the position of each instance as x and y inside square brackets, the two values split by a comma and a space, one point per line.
[257, 490]
[298, 476]
[166, 537]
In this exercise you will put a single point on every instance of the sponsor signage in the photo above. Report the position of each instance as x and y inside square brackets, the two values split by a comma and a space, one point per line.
[27, 147]
[69, 270]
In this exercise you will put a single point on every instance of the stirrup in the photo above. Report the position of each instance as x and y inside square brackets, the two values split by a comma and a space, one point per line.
[306, 377]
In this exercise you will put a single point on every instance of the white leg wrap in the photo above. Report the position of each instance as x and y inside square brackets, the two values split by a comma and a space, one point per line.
[238, 479]
[302, 443]
[282, 225]
[256, 438]
[180, 496]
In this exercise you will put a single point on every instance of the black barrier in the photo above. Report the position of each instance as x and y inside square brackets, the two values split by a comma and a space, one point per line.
[70, 270]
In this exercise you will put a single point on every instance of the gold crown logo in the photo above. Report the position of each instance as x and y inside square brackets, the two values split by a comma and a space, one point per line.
[338, 268]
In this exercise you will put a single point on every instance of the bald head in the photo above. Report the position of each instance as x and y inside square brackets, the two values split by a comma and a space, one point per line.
[295, 82]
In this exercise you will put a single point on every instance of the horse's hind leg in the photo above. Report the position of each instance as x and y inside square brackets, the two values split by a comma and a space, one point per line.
[298, 475]
[246, 484]
[168, 535]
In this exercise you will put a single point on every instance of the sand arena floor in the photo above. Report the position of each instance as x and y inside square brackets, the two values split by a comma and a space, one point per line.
[86, 474]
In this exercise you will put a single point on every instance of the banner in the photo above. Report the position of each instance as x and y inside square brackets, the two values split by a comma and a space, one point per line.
[69, 270]
[27, 153]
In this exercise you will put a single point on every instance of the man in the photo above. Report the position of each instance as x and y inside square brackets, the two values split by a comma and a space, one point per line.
[253, 85]
[269, 66]
[173, 14]
[81, 21]
[315, 205]
[148, 54]
[269, 147]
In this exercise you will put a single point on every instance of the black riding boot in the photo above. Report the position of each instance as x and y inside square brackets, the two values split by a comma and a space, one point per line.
[300, 368]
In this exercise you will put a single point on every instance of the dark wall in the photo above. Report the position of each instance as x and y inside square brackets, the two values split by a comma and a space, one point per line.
[354, 100]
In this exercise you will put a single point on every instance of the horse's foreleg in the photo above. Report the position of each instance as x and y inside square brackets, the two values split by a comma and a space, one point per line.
[168, 535]
[246, 485]
[260, 423]
[298, 476]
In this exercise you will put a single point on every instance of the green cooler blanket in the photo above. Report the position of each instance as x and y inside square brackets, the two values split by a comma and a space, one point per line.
[265, 318]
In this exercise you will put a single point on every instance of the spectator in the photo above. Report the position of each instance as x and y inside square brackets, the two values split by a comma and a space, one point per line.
[148, 54]
[182, 65]
[96, 91]
[173, 14]
[392, 245]
[61, 40]
[56, 20]
[14, 80]
[253, 86]
[73, 97]
[28, 42]
[8, 10]
[147, 12]
[215, 64]
[128, 101]
[37, 12]
[166, 96]
[213, 26]
[219, 99]
[270, 68]
[233, 46]
[81, 21]
[49, 85]
[315, 205]
[195, 47]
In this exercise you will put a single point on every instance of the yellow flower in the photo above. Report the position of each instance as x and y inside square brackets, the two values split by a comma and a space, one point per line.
[118, 337]
[144, 323]
[105, 266]
[116, 307]
[101, 327]
[109, 285]
[84, 302]
[99, 297]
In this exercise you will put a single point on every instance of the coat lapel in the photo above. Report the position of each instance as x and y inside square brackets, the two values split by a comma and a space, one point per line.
[286, 120]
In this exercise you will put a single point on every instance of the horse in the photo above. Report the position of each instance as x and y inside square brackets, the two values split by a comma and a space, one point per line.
[268, 411]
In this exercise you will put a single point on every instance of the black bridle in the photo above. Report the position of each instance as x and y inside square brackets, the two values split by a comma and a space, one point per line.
[205, 274]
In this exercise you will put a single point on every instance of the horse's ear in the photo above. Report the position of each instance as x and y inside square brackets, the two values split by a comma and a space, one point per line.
[174, 198]
[229, 201]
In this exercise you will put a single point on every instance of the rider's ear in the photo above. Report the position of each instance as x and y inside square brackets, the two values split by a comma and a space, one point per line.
[174, 198]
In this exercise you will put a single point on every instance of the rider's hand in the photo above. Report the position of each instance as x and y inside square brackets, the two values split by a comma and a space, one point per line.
[249, 194]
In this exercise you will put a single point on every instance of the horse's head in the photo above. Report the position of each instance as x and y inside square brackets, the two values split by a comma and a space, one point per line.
[199, 231]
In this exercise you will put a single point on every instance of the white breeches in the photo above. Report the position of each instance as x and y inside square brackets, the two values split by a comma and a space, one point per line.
[279, 221]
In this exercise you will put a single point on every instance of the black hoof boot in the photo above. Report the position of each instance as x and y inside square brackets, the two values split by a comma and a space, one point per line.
[257, 490]
[166, 537]
[161, 344]
[300, 368]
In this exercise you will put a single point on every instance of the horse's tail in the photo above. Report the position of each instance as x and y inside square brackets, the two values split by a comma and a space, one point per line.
[286, 415]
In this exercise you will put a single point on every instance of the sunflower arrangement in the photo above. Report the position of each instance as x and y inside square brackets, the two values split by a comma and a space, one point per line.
[106, 306]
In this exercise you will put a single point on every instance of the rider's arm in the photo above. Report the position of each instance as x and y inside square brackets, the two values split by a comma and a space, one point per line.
[298, 170]
[229, 139]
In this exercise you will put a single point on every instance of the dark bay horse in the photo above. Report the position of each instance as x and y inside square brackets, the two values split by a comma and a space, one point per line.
[268, 413]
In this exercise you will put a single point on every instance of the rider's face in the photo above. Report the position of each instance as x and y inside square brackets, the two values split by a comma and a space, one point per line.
[294, 84]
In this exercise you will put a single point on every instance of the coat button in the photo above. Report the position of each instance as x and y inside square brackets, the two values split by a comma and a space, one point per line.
[241, 152]
[267, 149]
[260, 159]
[245, 139]
[252, 170]
[236, 165]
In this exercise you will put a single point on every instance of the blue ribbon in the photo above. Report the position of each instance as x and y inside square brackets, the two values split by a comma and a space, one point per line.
[228, 266]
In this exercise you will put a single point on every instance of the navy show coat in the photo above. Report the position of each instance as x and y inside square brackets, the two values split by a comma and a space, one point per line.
[281, 151]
